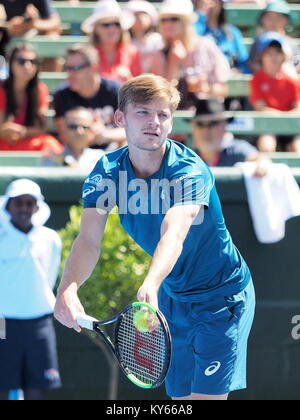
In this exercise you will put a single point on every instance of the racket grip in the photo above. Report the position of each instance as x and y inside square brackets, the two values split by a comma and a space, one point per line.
[85, 321]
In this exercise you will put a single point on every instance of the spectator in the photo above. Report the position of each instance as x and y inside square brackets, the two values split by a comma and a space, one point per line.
[85, 88]
[272, 90]
[24, 105]
[214, 144]
[212, 23]
[79, 136]
[32, 17]
[108, 28]
[143, 32]
[196, 62]
[275, 18]
[29, 263]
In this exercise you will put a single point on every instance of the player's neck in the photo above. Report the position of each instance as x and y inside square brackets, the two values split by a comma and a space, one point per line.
[147, 163]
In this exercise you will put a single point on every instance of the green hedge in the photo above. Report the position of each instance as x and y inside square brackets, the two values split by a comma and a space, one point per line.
[119, 273]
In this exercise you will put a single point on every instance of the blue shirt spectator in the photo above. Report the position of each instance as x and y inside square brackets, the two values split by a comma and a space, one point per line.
[212, 23]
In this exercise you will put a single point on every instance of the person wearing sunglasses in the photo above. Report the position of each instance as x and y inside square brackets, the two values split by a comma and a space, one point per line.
[108, 29]
[195, 64]
[79, 136]
[86, 88]
[215, 144]
[24, 105]
[29, 263]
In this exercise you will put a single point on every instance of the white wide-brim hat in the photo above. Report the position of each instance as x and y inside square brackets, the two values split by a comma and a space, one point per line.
[136, 6]
[108, 9]
[26, 187]
[182, 8]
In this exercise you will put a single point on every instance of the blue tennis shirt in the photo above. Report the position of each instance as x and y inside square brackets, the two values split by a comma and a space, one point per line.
[209, 264]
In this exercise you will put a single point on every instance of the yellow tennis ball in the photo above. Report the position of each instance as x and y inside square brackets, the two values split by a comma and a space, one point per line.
[141, 321]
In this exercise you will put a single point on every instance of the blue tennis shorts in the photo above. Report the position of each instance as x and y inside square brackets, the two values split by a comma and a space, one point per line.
[28, 358]
[209, 343]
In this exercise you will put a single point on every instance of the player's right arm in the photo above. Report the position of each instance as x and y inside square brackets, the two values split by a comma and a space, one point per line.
[79, 267]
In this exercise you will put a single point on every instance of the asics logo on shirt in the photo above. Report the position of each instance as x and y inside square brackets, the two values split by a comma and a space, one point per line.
[212, 369]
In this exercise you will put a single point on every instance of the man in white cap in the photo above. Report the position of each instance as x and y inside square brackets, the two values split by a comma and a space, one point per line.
[29, 262]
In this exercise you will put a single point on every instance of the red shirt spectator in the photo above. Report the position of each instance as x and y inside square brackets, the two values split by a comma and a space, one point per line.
[281, 92]
[127, 57]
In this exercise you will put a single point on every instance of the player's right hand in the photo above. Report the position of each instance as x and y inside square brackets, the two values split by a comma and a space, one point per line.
[67, 308]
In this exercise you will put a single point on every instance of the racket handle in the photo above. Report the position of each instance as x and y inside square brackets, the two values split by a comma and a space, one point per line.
[85, 321]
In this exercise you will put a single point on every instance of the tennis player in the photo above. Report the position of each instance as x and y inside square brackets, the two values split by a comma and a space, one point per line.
[197, 277]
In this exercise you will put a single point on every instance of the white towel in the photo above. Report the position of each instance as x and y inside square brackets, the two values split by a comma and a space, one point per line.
[273, 199]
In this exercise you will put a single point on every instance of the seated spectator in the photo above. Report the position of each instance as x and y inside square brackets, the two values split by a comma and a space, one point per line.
[272, 90]
[196, 62]
[108, 28]
[79, 135]
[276, 18]
[24, 105]
[214, 144]
[143, 32]
[212, 23]
[29, 18]
[85, 88]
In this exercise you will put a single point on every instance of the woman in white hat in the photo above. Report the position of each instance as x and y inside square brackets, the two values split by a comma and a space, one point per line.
[108, 28]
[144, 32]
[196, 62]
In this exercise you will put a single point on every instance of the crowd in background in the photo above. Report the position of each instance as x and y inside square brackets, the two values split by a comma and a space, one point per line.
[189, 43]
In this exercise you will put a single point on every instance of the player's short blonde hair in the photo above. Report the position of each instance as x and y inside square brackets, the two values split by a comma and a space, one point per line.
[146, 88]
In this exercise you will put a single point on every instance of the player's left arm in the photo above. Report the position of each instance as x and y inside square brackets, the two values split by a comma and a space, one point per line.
[174, 230]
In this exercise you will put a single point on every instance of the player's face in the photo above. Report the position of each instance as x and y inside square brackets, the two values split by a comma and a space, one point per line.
[148, 125]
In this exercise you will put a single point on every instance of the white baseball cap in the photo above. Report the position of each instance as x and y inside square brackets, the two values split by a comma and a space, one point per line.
[26, 187]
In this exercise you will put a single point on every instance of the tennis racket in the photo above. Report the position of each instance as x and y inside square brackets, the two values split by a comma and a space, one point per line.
[143, 355]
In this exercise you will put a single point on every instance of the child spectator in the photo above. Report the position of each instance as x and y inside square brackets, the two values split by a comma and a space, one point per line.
[196, 62]
[24, 105]
[272, 90]
[108, 28]
[275, 18]
[143, 32]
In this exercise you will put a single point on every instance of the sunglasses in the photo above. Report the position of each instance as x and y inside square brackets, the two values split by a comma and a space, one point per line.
[22, 61]
[77, 68]
[108, 24]
[173, 19]
[75, 127]
[24, 203]
[210, 124]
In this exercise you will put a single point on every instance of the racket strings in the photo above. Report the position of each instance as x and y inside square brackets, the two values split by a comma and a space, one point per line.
[142, 354]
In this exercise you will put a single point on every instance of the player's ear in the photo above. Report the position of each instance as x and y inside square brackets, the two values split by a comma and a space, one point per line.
[119, 119]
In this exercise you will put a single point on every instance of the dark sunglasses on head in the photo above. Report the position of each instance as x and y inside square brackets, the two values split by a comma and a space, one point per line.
[108, 24]
[75, 127]
[172, 19]
[77, 68]
[23, 61]
[209, 124]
